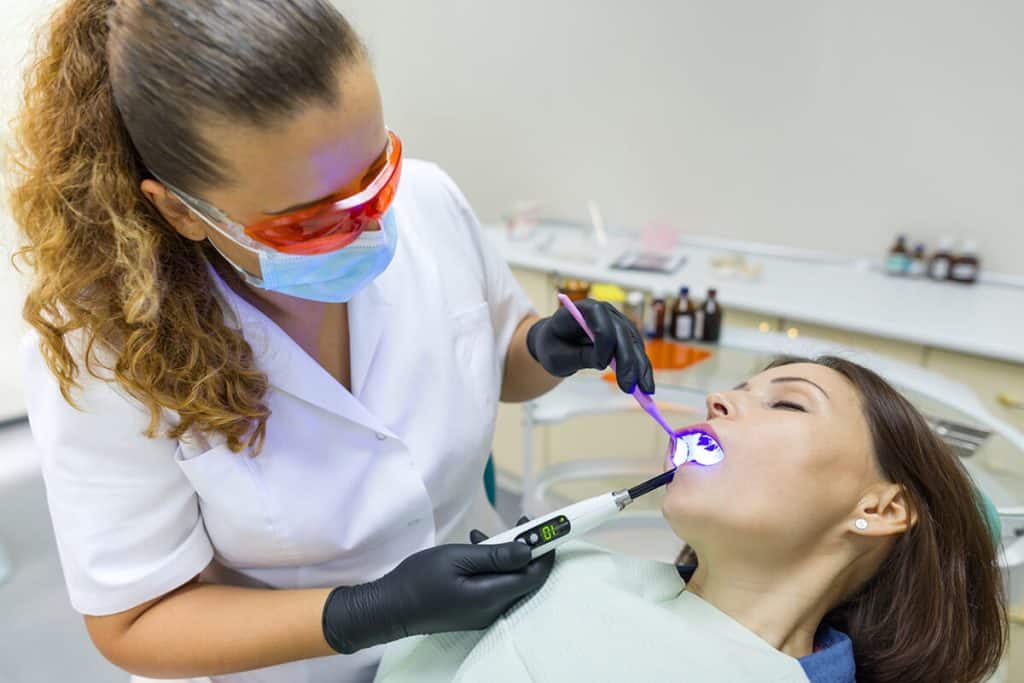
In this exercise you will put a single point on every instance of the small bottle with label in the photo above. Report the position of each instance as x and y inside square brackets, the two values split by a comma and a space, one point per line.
[940, 262]
[918, 262]
[898, 261]
[656, 318]
[684, 316]
[966, 265]
[711, 315]
[634, 309]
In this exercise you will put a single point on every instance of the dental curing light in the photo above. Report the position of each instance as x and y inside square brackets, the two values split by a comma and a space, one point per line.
[697, 446]
[547, 532]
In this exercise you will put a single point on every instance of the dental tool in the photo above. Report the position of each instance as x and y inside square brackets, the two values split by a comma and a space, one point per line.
[645, 401]
[549, 531]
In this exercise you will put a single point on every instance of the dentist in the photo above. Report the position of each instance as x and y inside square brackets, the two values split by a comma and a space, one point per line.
[267, 349]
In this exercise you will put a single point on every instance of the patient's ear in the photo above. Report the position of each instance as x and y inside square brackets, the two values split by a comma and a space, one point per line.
[885, 511]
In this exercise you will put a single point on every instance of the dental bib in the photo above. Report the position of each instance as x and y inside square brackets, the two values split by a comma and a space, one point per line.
[599, 617]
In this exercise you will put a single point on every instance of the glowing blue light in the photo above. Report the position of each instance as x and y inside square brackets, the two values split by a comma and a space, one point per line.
[697, 446]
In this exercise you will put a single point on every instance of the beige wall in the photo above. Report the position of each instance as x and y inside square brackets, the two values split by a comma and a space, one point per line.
[19, 18]
[821, 123]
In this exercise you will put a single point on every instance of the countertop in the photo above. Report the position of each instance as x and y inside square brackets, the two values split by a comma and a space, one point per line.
[981, 319]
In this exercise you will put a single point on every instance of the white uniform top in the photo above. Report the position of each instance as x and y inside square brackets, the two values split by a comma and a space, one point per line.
[347, 484]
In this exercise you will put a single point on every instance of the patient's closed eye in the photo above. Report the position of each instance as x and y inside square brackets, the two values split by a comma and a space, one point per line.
[789, 405]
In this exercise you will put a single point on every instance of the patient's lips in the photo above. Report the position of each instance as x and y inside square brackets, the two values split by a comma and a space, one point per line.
[697, 444]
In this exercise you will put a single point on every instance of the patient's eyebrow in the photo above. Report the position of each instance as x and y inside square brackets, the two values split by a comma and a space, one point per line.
[779, 380]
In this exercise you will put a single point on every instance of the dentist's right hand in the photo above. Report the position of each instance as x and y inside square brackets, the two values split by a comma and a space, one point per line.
[455, 587]
[563, 348]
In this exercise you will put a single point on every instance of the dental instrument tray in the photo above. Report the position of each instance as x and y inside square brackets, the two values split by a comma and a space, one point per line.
[649, 262]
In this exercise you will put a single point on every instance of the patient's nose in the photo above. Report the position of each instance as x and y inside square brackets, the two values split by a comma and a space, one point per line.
[719, 406]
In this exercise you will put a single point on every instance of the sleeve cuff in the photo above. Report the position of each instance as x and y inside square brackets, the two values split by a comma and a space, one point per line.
[104, 598]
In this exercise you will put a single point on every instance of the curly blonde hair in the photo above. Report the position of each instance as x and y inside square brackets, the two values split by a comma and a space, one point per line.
[107, 267]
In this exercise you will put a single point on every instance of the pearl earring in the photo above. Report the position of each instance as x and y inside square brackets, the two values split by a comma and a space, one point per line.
[861, 524]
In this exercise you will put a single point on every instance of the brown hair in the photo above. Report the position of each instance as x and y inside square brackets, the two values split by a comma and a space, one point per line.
[935, 609]
[117, 90]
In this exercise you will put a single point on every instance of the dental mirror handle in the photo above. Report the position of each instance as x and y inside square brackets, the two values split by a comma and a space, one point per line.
[645, 401]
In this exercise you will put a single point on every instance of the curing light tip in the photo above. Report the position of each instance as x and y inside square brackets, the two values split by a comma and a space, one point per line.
[697, 446]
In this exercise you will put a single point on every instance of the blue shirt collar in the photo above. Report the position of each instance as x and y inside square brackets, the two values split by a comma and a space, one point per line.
[832, 660]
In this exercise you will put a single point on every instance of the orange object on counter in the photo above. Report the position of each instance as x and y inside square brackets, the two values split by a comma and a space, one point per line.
[669, 355]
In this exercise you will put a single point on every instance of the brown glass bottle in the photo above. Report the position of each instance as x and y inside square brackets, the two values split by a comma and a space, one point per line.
[656, 322]
[684, 317]
[940, 262]
[711, 312]
[965, 265]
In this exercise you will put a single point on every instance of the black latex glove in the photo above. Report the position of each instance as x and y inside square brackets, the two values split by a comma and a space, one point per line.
[561, 346]
[455, 587]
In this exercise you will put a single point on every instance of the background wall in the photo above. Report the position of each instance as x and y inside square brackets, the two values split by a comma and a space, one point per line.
[19, 17]
[819, 123]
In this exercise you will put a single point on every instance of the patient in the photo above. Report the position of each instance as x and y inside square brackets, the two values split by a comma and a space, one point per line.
[835, 513]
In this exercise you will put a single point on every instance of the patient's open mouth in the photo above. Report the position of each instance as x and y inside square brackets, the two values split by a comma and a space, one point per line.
[698, 444]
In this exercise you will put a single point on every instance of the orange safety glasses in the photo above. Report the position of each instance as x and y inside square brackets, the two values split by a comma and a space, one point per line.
[336, 221]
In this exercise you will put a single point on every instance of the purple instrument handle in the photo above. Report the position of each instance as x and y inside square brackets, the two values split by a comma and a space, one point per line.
[645, 401]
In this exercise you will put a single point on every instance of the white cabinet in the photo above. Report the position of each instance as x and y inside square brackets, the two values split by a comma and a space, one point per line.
[508, 440]
[902, 351]
[988, 378]
[750, 319]
[540, 287]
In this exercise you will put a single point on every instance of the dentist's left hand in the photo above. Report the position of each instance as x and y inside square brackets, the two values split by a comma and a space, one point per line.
[562, 348]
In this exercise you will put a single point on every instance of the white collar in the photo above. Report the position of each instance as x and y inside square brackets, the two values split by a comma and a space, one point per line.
[288, 366]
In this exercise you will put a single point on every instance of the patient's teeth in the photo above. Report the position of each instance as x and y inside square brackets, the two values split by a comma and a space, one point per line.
[699, 447]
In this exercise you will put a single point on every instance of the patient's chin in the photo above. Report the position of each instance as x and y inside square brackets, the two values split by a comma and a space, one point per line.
[704, 517]
[684, 515]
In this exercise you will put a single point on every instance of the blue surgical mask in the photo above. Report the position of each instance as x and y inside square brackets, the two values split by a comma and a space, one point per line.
[332, 277]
